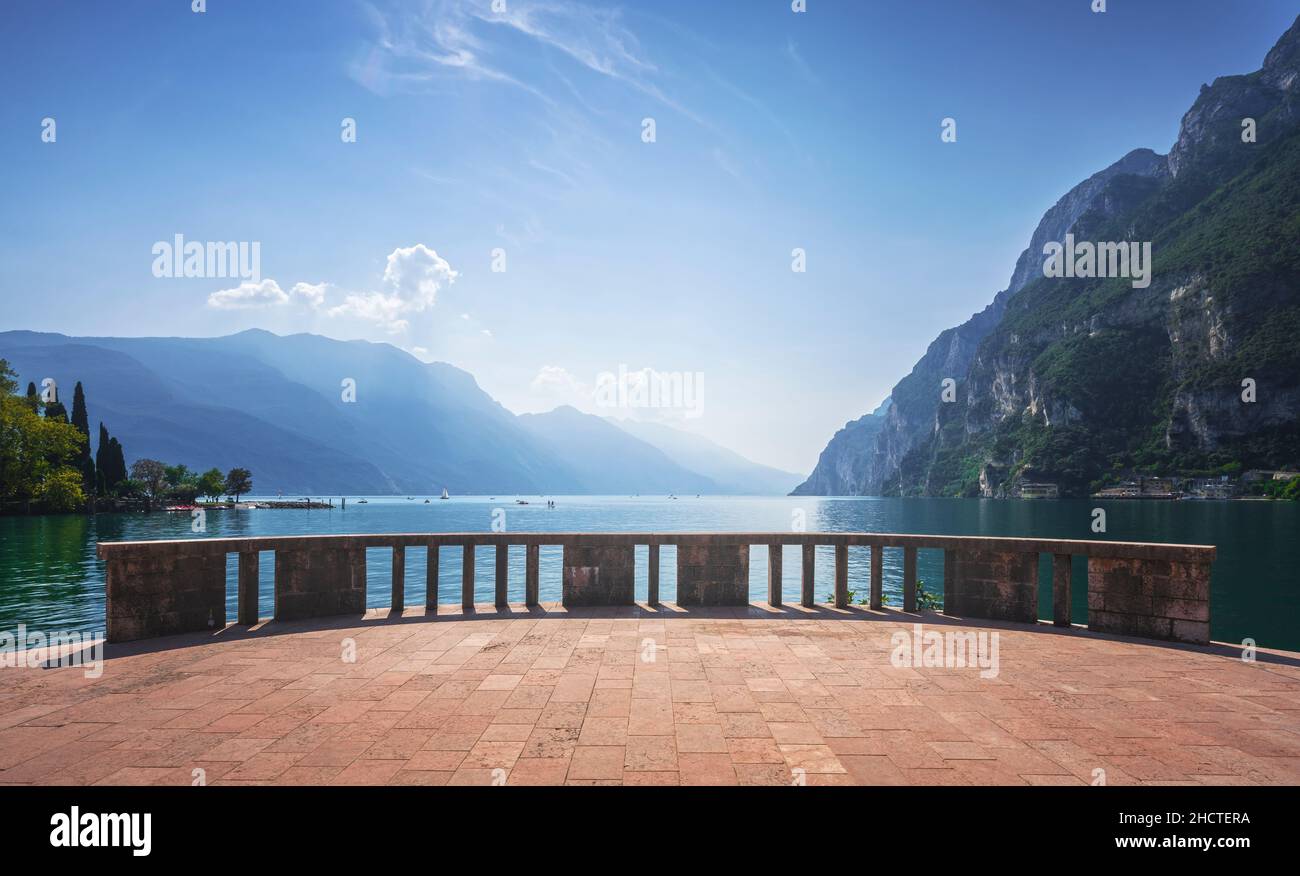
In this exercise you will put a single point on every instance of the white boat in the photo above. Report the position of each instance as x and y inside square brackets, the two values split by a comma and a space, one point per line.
[444, 494]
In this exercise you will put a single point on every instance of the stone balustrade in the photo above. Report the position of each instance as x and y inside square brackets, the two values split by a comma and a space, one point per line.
[158, 588]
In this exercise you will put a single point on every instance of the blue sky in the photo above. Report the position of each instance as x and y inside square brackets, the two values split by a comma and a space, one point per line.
[522, 131]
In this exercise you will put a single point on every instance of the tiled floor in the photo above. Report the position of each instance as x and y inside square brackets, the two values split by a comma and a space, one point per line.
[641, 697]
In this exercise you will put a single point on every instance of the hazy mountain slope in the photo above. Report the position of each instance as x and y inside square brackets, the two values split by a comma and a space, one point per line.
[155, 418]
[732, 473]
[843, 467]
[611, 460]
[413, 427]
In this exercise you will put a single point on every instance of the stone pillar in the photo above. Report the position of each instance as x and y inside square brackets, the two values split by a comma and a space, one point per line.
[532, 566]
[877, 577]
[1061, 571]
[1156, 599]
[319, 582]
[431, 580]
[774, 575]
[808, 579]
[652, 581]
[599, 575]
[467, 579]
[997, 585]
[715, 574]
[503, 576]
[163, 591]
[841, 576]
[249, 575]
[949, 580]
[399, 578]
[909, 579]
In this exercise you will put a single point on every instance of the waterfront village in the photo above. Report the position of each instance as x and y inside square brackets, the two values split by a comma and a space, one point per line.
[1254, 484]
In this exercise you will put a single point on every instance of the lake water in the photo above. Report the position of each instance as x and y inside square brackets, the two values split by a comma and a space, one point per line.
[51, 580]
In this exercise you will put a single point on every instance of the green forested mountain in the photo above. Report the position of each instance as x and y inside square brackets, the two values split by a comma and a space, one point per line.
[1078, 381]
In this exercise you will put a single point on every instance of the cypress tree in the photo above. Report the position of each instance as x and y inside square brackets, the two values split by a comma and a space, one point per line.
[117, 470]
[110, 462]
[101, 462]
[82, 422]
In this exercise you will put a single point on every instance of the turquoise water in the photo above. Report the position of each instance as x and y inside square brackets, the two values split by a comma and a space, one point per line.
[50, 578]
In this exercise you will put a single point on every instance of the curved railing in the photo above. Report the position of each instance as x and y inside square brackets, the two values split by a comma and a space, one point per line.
[157, 588]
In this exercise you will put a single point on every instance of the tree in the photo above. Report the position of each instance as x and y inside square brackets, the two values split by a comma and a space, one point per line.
[61, 490]
[177, 475]
[116, 461]
[212, 483]
[110, 463]
[152, 476]
[238, 482]
[82, 422]
[33, 449]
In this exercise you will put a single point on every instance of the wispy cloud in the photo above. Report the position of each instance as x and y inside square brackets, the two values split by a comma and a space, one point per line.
[792, 52]
[416, 47]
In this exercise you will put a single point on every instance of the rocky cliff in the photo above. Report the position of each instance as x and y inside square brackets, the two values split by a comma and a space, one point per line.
[1075, 379]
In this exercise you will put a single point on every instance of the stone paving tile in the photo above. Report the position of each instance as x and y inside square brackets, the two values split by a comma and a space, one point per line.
[649, 697]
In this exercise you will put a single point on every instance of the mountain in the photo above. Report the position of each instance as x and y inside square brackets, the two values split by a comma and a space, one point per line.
[1077, 380]
[842, 467]
[276, 405]
[731, 473]
[610, 460]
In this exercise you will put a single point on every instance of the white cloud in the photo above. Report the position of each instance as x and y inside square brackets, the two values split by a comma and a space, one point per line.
[556, 380]
[311, 294]
[416, 273]
[413, 277]
[249, 295]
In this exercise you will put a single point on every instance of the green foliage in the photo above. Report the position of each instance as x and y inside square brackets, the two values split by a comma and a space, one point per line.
[37, 454]
[211, 483]
[61, 490]
[925, 600]
[238, 482]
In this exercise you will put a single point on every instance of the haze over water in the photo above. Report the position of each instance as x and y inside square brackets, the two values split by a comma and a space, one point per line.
[51, 580]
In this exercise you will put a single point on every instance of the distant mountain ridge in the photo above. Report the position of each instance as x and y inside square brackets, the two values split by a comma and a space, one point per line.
[731, 473]
[1072, 380]
[274, 404]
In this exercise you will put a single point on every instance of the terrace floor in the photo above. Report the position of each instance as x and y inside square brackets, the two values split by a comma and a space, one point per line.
[641, 696]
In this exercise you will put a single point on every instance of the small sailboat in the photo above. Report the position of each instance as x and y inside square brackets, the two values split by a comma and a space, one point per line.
[444, 494]
[426, 501]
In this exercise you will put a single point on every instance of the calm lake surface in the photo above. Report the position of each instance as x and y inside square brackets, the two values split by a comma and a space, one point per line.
[51, 580]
